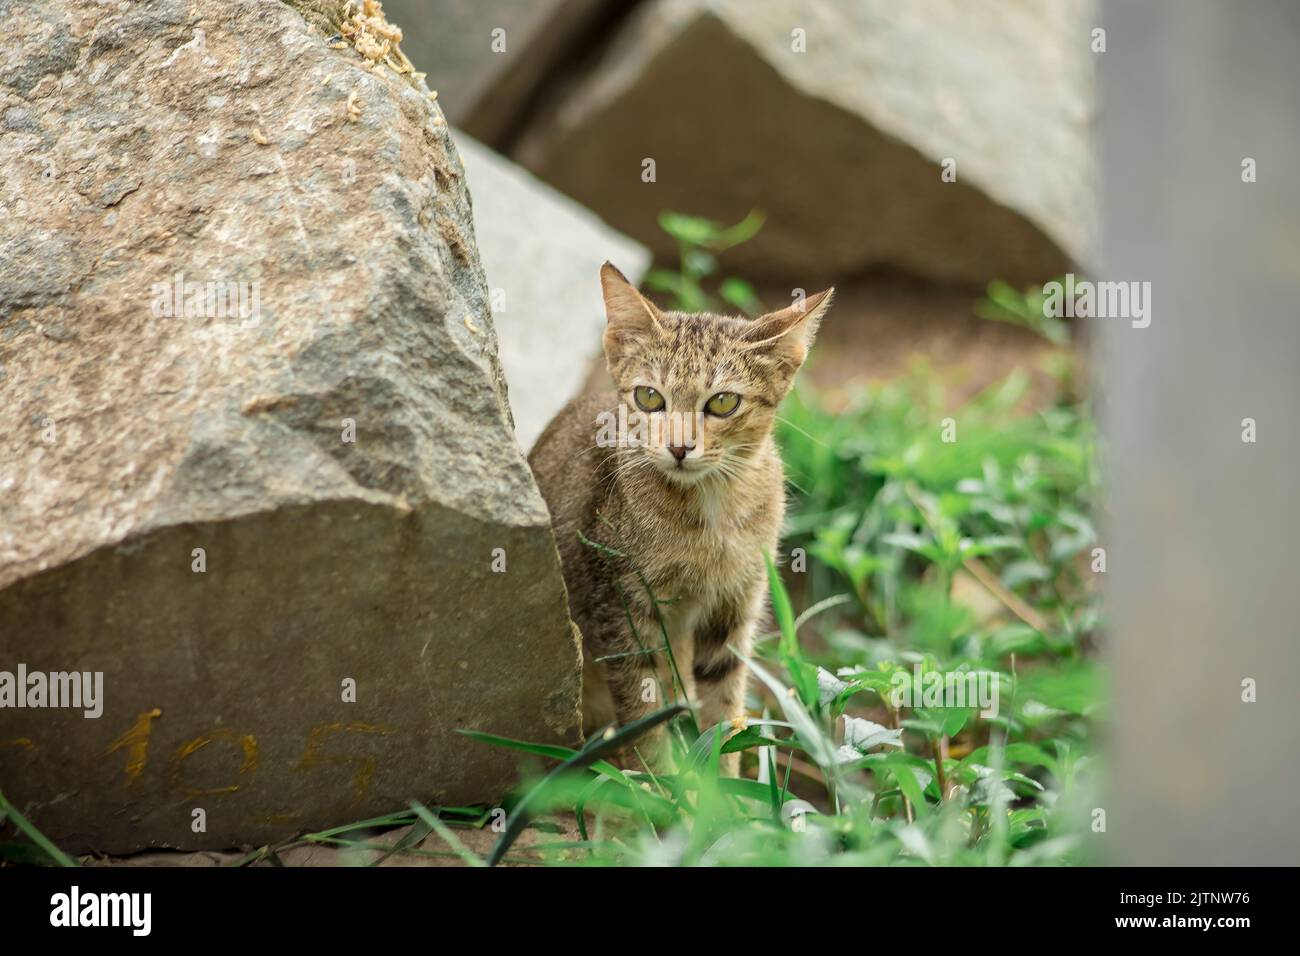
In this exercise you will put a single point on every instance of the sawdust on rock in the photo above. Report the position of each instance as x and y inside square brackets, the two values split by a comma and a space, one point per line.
[362, 26]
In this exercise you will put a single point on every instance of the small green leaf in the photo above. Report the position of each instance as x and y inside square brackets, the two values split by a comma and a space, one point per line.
[742, 295]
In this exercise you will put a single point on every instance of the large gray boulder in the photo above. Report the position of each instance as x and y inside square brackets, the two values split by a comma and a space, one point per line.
[836, 118]
[542, 253]
[241, 501]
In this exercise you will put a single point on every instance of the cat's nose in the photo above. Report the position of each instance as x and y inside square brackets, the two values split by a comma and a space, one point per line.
[679, 451]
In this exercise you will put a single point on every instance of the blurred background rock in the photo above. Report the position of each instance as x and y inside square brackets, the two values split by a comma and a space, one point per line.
[908, 153]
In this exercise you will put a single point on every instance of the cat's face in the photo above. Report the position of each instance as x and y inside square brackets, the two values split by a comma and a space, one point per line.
[704, 387]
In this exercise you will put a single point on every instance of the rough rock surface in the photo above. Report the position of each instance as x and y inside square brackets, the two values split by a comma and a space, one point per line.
[225, 141]
[542, 253]
[485, 79]
[842, 144]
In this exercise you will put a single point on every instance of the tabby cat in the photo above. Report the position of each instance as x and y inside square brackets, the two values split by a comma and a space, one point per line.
[676, 484]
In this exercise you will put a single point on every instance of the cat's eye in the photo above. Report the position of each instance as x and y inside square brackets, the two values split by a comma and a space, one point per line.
[722, 404]
[647, 399]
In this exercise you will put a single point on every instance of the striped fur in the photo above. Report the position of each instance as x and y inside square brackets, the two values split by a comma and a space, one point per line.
[692, 533]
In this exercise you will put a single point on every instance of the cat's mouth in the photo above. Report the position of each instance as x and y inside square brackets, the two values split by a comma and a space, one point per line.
[684, 471]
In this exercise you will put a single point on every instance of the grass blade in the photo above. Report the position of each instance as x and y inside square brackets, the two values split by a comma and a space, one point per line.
[594, 751]
[437, 826]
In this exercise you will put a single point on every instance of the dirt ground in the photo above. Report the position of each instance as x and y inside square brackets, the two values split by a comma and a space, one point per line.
[879, 326]
[480, 842]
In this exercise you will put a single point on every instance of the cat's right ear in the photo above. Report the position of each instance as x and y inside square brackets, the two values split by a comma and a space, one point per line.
[628, 313]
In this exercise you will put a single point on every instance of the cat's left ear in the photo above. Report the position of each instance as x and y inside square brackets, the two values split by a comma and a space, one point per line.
[789, 333]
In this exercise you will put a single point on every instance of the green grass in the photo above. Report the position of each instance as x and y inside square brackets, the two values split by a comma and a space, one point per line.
[964, 557]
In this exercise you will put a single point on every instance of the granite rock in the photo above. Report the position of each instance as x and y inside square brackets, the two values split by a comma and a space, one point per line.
[258, 467]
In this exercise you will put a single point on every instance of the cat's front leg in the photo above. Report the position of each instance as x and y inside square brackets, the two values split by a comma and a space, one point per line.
[720, 675]
[641, 680]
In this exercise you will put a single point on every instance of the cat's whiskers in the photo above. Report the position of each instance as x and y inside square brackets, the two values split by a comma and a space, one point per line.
[732, 464]
[694, 525]
[624, 460]
[630, 464]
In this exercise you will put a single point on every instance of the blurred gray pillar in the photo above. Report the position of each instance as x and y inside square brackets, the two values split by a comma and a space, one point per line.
[1203, 540]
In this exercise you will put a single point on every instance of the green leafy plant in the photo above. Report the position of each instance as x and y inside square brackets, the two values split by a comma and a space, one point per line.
[1002, 302]
[699, 242]
[900, 528]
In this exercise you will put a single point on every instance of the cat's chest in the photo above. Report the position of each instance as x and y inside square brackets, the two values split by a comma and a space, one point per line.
[704, 566]
[705, 550]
